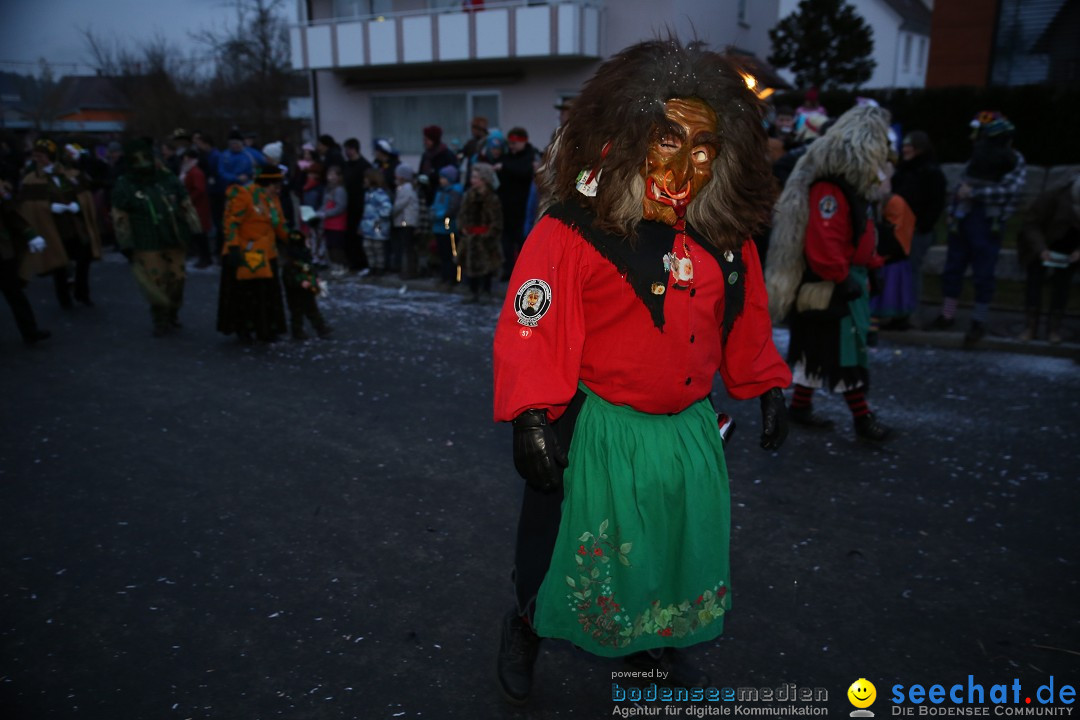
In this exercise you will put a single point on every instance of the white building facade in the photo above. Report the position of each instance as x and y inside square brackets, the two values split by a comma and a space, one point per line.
[901, 40]
[388, 68]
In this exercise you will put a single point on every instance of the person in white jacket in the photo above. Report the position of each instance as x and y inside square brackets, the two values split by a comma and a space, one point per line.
[405, 218]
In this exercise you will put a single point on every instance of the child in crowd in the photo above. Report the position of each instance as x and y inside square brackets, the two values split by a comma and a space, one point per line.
[481, 222]
[301, 287]
[311, 195]
[444, 212]
[375, 223]
[406, 216]
[333, 215]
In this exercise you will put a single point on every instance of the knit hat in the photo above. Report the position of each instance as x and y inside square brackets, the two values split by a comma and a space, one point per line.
[450, 173]
[269, 174]
[495, 141]
[273, 152]
[47, 146]
[235, 134]
[486, 173]
[139, 154]
[433, 133]
[403, 172]
[991, 123]
[384, 145]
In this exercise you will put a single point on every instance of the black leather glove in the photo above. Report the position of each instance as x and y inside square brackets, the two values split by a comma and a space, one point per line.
[537, 455]
[850, 289]
[774, 422]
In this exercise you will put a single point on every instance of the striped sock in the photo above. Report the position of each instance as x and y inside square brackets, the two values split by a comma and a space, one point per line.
[948, 307]
[856, 402]
[803, 396]
[980, 312]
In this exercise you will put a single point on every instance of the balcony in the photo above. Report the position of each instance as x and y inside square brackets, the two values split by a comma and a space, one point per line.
[487, 33]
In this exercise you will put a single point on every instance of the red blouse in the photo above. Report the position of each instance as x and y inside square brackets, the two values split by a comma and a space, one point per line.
[597, 330]
[830, 252]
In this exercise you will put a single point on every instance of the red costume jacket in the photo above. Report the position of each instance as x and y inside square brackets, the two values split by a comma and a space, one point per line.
[584, 322]
[830, 248]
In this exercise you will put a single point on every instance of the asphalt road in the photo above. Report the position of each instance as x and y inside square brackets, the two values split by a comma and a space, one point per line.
[193, 529]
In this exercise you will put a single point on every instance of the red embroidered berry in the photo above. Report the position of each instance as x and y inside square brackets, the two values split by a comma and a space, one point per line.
[581, 550]
[666, 632]
[597, 551]
[721, 592]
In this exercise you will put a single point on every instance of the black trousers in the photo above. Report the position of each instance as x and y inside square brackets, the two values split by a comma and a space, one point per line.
[12, 287]
[538, 526]
[302, 304]
[81, 254]
[1060, 282]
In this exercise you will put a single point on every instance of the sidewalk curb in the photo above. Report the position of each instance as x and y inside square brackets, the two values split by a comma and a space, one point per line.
[955, 341]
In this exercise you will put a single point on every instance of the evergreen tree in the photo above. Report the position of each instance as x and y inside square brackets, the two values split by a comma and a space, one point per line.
[825, 43]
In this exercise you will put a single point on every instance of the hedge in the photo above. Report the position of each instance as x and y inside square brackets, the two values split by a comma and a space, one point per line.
[1045, 117]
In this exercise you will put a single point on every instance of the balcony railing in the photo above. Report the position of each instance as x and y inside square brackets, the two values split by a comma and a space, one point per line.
[491, 32]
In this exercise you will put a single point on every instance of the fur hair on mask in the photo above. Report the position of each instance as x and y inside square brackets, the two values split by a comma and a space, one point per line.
[624, 102]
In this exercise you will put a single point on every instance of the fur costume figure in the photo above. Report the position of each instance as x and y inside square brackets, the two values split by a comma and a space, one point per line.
[855, 147]
[636, 288]
[821, 255]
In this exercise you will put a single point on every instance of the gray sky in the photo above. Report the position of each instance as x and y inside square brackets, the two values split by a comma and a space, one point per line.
[31, 29]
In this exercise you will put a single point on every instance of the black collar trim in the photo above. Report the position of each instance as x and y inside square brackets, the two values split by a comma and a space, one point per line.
[642, 262]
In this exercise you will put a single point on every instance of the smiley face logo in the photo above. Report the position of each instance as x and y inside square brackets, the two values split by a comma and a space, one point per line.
[862, 693]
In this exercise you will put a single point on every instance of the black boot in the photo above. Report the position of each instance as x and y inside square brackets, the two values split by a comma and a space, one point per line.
[1053, 329]
[36, 336]
[518, 648]
[975, 333]
[867, 427]
[1031, 326]
[63, 288]
[678, 671]
[806, 417]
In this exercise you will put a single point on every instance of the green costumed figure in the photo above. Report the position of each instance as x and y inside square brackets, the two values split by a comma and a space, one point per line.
[154, 219]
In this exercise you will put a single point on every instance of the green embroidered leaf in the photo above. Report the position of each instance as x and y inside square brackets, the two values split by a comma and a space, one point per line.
[605, 559]
[595, 572]
[705, 616]
[570, 581]
[684, 606]
[680, 627]
[579, 596]
[584, 581]
[580, 561]
[603, 527]
[625, 548]
[624, 561]
[585, 536]
[588, 593]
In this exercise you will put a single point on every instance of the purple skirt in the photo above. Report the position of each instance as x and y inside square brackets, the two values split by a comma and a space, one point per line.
[897, 298]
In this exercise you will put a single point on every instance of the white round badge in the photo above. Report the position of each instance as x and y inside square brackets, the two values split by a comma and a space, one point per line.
[532, 300]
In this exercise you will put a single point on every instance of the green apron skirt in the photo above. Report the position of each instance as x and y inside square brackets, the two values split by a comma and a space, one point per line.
[641, 559]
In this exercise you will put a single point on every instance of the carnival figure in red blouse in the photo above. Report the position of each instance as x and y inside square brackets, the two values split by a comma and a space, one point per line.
[822, 258]
[637, 286]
